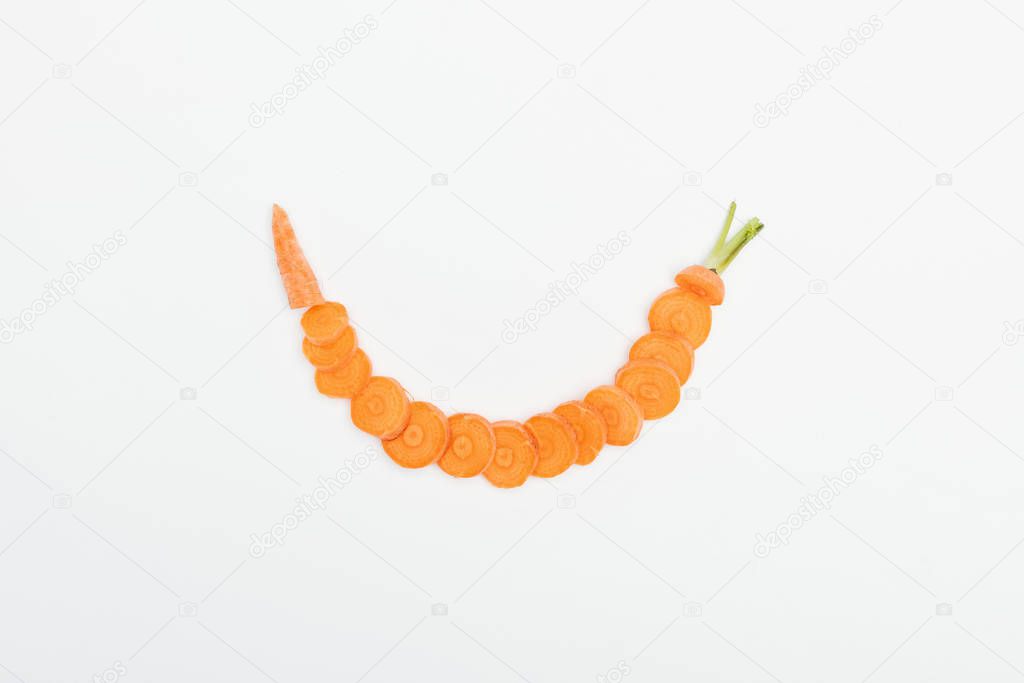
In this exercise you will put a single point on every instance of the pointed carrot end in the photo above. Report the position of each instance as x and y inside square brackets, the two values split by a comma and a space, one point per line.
[296, 274]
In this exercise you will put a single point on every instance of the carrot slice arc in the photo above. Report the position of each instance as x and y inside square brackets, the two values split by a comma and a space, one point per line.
[299, 281]
[556, 444]
[471, 445]
[325, 322]
[620, 411]
[330, 356]
[346, 380]
[668, 347]
[682, 312]
[652, 383]
[515, 456]
[423, 441]
[703, 282]
[588, 426]
[381, 408]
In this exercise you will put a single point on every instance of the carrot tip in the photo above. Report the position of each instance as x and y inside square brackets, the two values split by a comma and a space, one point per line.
[296, 274]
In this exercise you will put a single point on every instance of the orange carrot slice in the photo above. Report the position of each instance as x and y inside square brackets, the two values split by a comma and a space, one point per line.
[381, 408]
[471, 446]
[556, 444]
[330, 356]
[298, 278]
[652, 383]
[669, 348]
[324, 323]
[423, 441]
[620, 411]
[346, 380]
[682, 312]
[515, 456]
[703, 282]
[588, 426]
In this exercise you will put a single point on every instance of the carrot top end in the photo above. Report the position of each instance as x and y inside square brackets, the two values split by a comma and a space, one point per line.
[727, 248]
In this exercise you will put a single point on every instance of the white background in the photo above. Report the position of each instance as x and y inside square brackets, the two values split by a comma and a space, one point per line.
[878, 307]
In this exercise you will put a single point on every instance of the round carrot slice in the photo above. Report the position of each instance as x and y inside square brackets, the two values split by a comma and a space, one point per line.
[331, 355]
[424, 440]
[620, 411]
[556, 444]
[471, 446]
[588, 426]
[652, 383]
[515, 456]
[346, 380]
[381, 408]
[703, 282]
[324, 323]
[682, 312]
[669, 348]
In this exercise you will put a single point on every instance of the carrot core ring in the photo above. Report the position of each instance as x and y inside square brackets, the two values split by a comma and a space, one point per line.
[381, 408]
[471, 448]
[515, 457]
[620, 411]
[423, 441]
[653, 384]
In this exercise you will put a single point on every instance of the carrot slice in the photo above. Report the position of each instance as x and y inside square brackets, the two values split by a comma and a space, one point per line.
[703, 282]
[588, 426]
[682, 312]
[346, 380]
[330, 356]
[471, 447]
[325, 322]
[556, 444]
[381, 408]
[423, 441]
[299, 281]
[515, 456]
[620, 411]
[652, 383]
[669, 348]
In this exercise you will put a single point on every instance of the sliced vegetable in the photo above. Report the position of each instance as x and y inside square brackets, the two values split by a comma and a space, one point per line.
[653, 384]
[703, 282]
[515, 456]
[329, 356]
[423, 441]
[325, 323]
[346, 380]
[556, 444]
[471, 447]
[588, 427]
[681, 312]
[299, 281]
[668, 347]
[620, 411]
[381, 408]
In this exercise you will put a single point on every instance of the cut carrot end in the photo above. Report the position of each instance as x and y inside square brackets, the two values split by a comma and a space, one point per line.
[423, 441]
[297, 276]
[515, 456]
[653, 385]
[703, 282]
[588, 426]
[726, 249]
[556, 444]
[471, 446]
[381, 408]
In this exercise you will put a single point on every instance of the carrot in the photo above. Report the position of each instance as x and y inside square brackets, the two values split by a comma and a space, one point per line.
[703, 282]
[652, 383]
[556, 444]
[667, 347]
[325, 323]
[346, 380]
[471, 447]
[423, 441]
[299, 281]
[330, 356]
[588, 427]
[620, 411]
[515, 456]
[681, 312]
[381, 408]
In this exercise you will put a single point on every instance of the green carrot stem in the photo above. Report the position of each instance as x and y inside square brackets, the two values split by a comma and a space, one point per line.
[726, 248]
